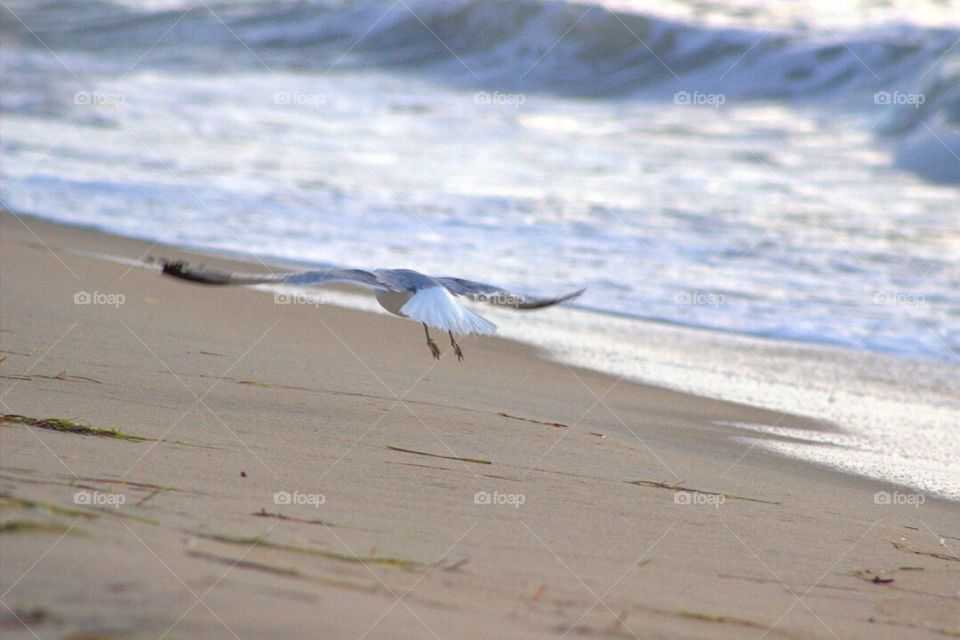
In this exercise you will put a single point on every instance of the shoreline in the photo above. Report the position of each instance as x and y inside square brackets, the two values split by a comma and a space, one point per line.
[885, 400]
[399, 449]
[274, 261]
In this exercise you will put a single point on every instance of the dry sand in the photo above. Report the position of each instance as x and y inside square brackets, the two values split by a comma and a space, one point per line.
[243, 398]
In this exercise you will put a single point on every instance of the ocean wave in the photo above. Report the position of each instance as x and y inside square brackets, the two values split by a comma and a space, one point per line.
[536, 45]
[908, 73]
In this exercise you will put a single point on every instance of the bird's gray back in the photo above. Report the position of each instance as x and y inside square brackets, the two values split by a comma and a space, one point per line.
[405, 279]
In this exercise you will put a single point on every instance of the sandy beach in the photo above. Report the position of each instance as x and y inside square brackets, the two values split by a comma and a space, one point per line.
[303, 471]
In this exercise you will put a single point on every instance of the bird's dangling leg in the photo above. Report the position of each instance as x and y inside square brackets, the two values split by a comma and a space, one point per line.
[456, 347]
[434, 349]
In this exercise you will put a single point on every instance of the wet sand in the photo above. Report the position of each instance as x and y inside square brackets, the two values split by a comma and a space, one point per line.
[301, 471]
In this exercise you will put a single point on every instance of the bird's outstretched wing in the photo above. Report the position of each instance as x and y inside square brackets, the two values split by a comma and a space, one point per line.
[203, 275]
[493, 294]
[386, 280]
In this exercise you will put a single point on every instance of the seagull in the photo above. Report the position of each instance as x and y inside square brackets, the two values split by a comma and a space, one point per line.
[431, 301]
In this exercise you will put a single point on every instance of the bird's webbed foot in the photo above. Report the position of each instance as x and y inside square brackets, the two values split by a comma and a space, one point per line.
[456, 347]
[434, 349]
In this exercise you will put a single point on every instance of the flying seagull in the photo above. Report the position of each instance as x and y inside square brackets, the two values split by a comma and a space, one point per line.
[403, 292]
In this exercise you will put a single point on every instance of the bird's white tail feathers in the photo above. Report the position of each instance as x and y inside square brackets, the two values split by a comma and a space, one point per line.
[437, 308]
